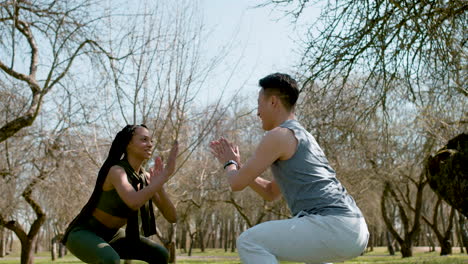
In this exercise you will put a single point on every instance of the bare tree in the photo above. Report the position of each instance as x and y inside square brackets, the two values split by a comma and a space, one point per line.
[444, 235]
[49, 36]
[35, 170]
[421, 45]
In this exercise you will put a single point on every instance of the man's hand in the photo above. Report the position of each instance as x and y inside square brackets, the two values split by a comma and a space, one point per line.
[224, 150]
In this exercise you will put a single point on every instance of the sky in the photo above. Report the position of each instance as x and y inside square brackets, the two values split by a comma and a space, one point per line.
[264, 41]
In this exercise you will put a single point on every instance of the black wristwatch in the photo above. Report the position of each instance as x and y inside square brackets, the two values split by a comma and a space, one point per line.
[230, 162]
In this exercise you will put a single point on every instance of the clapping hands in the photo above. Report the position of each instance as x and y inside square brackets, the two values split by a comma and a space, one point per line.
[161, 171]
[224, 150]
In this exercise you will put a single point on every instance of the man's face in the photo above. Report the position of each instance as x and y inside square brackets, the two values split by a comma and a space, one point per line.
[265, 110]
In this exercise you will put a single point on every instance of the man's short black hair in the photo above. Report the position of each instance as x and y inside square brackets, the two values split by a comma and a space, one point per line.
[283, 86]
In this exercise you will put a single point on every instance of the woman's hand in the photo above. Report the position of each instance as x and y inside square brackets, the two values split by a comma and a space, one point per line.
[156, 172]
[159, 171]
[224, 151]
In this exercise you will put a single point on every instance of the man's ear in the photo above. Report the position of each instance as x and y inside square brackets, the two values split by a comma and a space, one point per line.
[274, 100]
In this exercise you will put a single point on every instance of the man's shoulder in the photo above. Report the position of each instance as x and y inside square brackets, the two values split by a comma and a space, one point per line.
[280, 134]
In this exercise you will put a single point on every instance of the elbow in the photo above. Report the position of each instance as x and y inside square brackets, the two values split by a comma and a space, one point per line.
[172, 219]
[272, 196]
[133, 206]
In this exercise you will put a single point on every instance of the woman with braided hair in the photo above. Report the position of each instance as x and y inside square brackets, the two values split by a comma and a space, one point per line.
[123, 195]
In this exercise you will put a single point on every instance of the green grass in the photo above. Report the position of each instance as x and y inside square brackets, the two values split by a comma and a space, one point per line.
[218, 256]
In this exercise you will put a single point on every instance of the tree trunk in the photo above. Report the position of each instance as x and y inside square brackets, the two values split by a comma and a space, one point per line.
[446, 243]
[225, 235]
[459, 238]
[172, 252]
[2, 242]
[192, 240]
[446, 248]
[10, 243]
[431, 243]
[53, 250]
[183, 240]
[411, 233]
[407, 248]
[36, 243]
[27, 251]
[57, 248]
[372, 238]
[397, 246]
[390, 248]
[62, 250]
[382, 238]
[201, 241]
[233, 236]
[463, 231]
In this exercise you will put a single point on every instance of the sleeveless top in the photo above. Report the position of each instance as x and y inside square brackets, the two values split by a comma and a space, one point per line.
[307, 180]
[143, 216]
[111, 203]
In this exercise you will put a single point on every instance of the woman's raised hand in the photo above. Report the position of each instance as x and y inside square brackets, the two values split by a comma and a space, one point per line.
[161, 171]
[156, 170]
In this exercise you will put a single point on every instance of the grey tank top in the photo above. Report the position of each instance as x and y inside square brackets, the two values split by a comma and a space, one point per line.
[307, 180]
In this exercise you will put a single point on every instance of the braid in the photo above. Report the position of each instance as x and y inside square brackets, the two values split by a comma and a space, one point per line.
[117, 150]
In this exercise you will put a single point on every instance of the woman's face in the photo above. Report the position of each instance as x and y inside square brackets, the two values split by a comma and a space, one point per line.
[141, 144]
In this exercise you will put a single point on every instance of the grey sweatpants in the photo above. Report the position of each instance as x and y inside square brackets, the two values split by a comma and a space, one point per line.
[304, 238]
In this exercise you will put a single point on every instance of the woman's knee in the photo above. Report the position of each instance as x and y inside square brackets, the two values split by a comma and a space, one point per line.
[90, 248]
[155, 253]
[109, 258]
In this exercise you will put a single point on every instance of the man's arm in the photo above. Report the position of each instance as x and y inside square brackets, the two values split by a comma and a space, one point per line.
[279, 143]
[268, 190]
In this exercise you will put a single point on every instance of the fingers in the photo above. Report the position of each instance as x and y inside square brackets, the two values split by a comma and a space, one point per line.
[216, 146]
[158, 164]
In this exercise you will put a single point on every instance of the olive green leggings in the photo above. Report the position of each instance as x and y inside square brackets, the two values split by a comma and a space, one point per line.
[93, 242]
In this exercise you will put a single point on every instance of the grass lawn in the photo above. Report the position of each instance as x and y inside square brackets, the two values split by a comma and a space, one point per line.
[218, 256]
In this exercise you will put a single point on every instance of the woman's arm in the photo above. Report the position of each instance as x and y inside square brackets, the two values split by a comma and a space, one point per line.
[164, 204]
[133, 199]
[158, 175]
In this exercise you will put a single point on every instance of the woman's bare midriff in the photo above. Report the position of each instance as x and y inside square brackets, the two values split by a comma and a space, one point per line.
[109, 220]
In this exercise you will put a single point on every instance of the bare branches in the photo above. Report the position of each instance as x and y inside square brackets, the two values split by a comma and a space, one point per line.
[410, 48]
[57, 21]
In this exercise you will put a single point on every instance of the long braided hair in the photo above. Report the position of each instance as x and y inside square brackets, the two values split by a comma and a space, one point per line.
[117, 151]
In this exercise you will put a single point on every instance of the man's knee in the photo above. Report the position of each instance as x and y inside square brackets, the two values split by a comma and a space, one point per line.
[244, 240]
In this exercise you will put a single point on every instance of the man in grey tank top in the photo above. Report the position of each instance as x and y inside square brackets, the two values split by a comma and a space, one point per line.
[327, 225]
